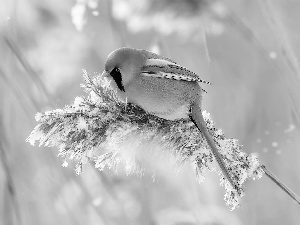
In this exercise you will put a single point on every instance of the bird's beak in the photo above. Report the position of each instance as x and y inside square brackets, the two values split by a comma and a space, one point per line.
[105, 74]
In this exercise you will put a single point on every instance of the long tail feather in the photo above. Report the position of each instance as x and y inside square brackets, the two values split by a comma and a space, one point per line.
[198, 120]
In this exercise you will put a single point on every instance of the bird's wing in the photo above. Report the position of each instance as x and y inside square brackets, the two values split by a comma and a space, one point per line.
[151, 55]
[164, 68]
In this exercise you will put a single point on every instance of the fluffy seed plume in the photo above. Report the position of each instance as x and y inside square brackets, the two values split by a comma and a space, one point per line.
[97, 126]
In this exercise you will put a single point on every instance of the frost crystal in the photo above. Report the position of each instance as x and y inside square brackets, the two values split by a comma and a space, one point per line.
[101, 129]
[81, 124]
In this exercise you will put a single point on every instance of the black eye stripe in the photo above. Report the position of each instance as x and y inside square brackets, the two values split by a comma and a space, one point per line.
[117, 76]
[115, 72]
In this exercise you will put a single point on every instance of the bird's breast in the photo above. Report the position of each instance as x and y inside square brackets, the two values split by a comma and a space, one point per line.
[165, 98]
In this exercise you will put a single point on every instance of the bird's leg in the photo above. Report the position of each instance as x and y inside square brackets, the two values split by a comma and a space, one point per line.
[198, 120]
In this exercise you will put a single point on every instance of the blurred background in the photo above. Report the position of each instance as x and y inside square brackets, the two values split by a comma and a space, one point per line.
[249, 50]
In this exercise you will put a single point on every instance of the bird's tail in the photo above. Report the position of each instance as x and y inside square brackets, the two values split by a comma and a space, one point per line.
[198, 120]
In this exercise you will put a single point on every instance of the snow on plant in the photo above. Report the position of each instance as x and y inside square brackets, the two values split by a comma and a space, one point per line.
[98, 127]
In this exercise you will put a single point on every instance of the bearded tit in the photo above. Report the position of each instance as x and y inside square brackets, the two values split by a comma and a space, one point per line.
[161, 87]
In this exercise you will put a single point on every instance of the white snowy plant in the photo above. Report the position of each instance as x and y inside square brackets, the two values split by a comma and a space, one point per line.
[95, 127]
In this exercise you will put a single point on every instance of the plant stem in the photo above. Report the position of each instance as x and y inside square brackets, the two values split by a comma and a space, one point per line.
[281, 184]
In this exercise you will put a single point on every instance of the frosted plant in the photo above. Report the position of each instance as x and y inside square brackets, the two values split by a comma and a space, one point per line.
[96, 127]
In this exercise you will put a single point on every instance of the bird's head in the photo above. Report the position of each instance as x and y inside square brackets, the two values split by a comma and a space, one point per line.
[122, 65]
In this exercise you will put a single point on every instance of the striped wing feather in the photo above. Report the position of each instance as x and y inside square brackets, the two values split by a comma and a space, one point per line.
[166, 69]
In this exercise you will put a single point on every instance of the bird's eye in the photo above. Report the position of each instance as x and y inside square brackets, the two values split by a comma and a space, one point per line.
[115, 72]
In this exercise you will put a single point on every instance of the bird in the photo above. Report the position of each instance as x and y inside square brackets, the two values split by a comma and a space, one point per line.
[161, 87]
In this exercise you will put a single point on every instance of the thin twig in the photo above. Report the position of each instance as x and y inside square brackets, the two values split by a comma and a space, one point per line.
[204, 39]
[272, 15]
[10, 183]
[35, 78]
[249, 35]
[18, 94]
[281, 184]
